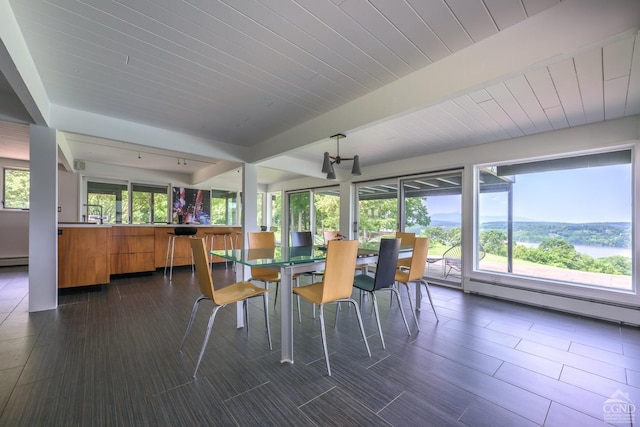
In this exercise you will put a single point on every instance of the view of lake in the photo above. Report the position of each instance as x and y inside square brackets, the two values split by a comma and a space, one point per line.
[592, 251]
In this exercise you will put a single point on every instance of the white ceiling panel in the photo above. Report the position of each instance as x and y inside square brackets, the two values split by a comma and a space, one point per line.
[247, 73]
[633, 103]
[505, 13]
[590, 79]
[542, 85]
[615, 97]
[438, 16]
[503, 96]
[527, 100]
[370, 19]
[617, 58]
[474, 18]
[565, 81]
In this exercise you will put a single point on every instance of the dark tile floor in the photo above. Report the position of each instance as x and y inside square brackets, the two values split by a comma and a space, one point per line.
[109, 357]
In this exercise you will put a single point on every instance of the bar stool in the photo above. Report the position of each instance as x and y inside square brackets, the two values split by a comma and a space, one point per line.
[219, 232]
[187, 232]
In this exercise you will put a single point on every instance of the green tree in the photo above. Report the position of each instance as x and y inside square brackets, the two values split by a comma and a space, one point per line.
[494, 242]
[416, 214]
[16, 189]
[327, 212]
[437, 235]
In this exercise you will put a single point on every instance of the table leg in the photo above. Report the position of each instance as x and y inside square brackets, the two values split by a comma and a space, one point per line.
[286, 315]
[239, 309]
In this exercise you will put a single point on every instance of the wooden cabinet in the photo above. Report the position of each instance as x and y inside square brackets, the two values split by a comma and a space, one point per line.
[83, 257]
[131, 249]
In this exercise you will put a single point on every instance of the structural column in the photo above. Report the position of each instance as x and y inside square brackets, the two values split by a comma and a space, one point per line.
[43, 219]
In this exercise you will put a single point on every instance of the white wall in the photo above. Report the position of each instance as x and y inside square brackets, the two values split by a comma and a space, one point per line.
[68, 196]
[14, 229]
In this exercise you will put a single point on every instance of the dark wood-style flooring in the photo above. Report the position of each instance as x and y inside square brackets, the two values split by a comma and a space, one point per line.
[110, 357]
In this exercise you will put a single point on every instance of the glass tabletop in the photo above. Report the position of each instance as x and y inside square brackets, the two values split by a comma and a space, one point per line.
[287, 256]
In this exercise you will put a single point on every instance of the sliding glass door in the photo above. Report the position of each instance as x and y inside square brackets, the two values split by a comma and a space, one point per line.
[314, 210]
[377, 210]
[432, 207]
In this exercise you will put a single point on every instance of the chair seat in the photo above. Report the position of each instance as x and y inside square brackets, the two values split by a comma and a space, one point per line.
[312, 293]
[237, 292]
[402, 276]
[364, 282]
[266, 274]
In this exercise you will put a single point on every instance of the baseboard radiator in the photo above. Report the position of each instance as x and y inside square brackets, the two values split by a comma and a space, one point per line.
[13, 262]
[591, 308]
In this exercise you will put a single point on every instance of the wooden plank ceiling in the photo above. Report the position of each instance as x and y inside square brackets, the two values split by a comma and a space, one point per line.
[241, 72]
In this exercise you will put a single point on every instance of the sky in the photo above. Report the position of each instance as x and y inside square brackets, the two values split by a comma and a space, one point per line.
[597, 194]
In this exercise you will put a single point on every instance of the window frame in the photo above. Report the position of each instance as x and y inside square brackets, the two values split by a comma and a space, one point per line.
[4, 188]
[575, 291]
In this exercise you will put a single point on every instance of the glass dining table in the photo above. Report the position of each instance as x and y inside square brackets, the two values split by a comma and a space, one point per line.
[289, 261]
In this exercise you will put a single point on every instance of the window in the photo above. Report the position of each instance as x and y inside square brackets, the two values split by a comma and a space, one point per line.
[16, 189]
[326, 205]
[377, 210]
[566, 220]
[149, 204]
[224, 207]
[107, 203]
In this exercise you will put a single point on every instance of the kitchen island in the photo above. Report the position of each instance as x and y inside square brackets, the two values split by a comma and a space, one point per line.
[89, 254]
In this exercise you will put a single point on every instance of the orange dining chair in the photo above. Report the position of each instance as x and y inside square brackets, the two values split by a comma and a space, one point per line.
[406, 239]
[415, 272]
[337, 286]
[235, 292]
[263, 240]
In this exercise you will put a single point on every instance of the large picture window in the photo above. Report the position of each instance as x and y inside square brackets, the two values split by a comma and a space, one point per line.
[566, 220]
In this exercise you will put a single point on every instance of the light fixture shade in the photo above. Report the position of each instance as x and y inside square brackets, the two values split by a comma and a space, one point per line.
[326, 163]
[332, 173]
[355, 170]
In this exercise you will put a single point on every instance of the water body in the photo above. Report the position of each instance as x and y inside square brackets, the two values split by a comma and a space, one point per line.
[592, 251]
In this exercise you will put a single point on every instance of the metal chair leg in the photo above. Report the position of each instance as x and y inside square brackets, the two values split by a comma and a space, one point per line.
[364, 336]
[324, 339]
[426, 285]
[375, 310]
[191, 319]
[265, 299]
[206, 337]
[411, 305]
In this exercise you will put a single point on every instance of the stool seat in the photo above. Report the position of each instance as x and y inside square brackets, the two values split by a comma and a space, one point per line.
[183, 232]
[219, 232]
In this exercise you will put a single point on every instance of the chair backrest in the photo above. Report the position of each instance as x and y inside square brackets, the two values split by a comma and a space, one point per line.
[407, 239]
[339, 267]
[301, 238]
[330, 235]
[387, 259]
[418, 258]
[261, 240]
[203, 274]
[454, 252]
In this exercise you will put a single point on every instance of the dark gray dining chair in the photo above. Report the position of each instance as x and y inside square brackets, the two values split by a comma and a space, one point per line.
[383, 280]
[303, 239]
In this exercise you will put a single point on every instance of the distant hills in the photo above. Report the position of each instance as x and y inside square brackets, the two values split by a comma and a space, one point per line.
[611, 234]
